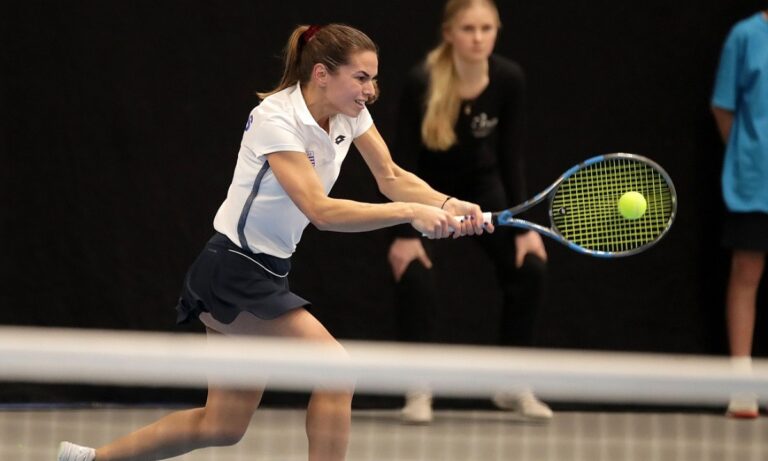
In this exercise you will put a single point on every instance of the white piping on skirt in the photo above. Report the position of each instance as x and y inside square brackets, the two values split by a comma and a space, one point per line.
[260, 265]
[245, 323]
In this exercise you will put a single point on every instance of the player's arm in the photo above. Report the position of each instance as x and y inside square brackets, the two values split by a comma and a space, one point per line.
[398, 184]
[724, 121]
[297, 177]
[394, 182]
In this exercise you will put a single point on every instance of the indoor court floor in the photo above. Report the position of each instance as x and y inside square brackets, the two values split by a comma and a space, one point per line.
[278, 434]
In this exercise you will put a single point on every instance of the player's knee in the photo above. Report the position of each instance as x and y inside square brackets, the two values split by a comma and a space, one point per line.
[336, 399]
[336, 350]
[223, 434]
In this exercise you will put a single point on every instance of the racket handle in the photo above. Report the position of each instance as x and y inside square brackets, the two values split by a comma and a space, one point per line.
[487, 218]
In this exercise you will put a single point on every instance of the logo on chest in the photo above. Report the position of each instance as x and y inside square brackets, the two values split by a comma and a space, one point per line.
[482, 126]
[339, 139]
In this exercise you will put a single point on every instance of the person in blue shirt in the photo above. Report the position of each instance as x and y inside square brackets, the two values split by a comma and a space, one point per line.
[740, 108]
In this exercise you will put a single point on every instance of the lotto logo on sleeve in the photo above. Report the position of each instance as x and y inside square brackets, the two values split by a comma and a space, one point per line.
[311, 157]
[249, 122]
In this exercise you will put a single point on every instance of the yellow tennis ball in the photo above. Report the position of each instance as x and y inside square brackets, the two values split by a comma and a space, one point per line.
[632, 205]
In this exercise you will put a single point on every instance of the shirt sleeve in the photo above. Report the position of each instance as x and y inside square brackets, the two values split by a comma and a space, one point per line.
[408, 142]
[511, 121]
[727, 79]
[363, 123]
[274, 133]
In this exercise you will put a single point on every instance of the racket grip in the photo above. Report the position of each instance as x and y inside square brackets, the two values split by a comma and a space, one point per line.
[487, 218]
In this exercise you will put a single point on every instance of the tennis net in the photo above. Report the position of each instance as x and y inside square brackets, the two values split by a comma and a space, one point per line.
[609, 406]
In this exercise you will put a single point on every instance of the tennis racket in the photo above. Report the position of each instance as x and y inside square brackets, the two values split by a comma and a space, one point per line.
[583, 206]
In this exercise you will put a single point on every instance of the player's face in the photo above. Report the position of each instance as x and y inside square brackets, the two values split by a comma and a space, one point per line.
[473, 33]
[353, 84]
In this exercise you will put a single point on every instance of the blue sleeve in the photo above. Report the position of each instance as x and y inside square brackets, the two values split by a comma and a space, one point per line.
[727, 80]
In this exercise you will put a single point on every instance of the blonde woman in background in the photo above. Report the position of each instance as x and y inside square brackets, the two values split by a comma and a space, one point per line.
[460, 124]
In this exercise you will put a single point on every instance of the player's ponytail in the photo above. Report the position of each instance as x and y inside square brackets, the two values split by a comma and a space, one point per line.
[442, 99]
[291, 59]
[330, 45]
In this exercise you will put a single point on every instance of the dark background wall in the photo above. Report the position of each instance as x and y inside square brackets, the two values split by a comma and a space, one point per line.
[121, 123]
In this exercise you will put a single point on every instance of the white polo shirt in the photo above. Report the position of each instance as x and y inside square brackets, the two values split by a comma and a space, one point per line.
[258, 215]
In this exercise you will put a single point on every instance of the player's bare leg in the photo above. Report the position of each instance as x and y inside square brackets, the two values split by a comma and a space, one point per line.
[329, 413]
[222, 422]
[227, 413]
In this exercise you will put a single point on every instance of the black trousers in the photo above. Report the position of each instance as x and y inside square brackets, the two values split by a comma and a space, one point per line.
[418, 302]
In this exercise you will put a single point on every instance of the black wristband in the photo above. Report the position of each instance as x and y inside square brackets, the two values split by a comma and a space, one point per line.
[445, 201]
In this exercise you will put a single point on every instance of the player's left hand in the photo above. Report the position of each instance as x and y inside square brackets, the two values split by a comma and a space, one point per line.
[472, 224]
[529, 242]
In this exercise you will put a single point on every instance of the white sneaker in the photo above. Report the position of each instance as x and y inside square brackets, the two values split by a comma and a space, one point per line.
[418, 408]
[743, 406]
[524, 403]
[71, 452]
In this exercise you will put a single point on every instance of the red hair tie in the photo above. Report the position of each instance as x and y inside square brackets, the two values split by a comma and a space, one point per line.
[307, 35]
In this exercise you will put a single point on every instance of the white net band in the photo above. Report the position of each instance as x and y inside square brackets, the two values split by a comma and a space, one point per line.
[189, 360]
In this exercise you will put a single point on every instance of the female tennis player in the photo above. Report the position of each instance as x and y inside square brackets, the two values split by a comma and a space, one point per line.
[460, 126]
[290, 156]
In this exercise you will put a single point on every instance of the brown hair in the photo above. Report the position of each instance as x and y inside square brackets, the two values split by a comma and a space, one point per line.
[330, 45]
[442, 101]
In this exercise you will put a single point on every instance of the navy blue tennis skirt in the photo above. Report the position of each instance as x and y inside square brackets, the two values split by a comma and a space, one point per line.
[746, 231]
[226, 280]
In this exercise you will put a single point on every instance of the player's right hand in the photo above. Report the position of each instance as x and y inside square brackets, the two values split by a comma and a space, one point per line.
[405, 251]
[432, 222]
[472, 222]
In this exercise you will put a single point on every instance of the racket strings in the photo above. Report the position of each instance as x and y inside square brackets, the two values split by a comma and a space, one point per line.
[584, 208]
[597, 221]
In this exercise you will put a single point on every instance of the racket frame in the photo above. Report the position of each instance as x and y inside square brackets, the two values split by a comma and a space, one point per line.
[507, 217]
